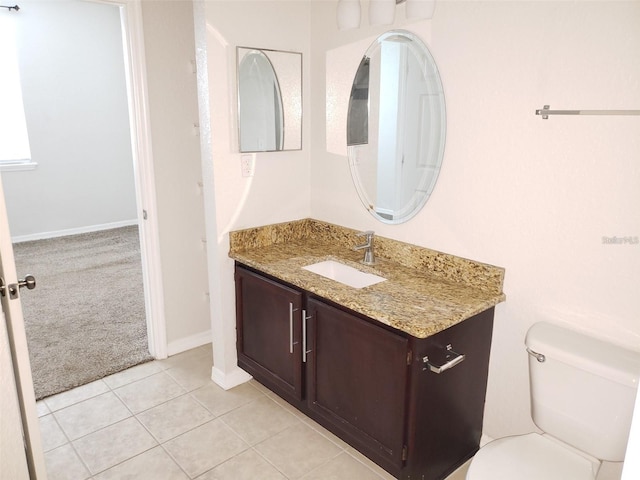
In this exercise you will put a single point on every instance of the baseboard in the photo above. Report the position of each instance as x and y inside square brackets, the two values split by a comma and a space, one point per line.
[187, 343]
[72, 231]
[229, 380]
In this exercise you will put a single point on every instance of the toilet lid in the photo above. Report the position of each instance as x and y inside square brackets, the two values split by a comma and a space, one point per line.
[528, 457]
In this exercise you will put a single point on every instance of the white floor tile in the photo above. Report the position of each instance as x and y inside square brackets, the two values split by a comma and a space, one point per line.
[154, 464]
[195, 443]
[324, 432]
[342, 467]
[64, 464]
[114, 444]
[78, 394]
[205, 447]
[219, 401]
[52, 434]
[42, 408]
[259, 420]
[90, 415]
[174, 418]
[297, 450]
[191, 373]
[204, 352]
[382, 473]
[149, 392]
[249, 465]
[132, 374]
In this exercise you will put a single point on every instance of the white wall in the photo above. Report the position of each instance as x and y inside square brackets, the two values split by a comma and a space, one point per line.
[534, 196]
[173, 107]
[76, 103]
[73, 82]
[279, 190]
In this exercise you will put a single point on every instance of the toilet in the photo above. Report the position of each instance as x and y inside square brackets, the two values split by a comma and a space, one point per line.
[582, 398]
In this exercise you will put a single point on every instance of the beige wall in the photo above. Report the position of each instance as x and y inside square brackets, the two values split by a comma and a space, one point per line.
[173, 106]
[534, 196]
[75, 101]
[279, 190]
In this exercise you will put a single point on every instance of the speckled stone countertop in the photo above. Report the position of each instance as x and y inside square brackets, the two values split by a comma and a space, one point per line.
[425, 292]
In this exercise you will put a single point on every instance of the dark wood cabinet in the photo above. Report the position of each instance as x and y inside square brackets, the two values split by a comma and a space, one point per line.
[368, 383]
[269, 333]
[357, 377]
[446, 410]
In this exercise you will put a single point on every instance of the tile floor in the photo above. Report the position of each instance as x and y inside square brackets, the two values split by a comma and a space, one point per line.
[167, 420]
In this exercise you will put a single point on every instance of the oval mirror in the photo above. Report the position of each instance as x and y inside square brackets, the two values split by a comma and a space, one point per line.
[260, 104]
[396, 126]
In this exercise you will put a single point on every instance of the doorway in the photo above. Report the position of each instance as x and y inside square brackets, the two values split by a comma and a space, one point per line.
[76, 100]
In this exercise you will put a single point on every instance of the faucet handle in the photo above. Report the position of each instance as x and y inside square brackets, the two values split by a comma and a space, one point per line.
[369, 258]
[368, 233]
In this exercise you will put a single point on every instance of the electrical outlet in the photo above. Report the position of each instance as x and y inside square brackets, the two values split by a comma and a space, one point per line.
[248, 164]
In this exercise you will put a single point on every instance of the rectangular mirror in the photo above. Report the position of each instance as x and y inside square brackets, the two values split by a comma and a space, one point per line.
[269, 100]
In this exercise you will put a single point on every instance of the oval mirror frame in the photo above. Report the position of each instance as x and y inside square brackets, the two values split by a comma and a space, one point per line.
[397, 91]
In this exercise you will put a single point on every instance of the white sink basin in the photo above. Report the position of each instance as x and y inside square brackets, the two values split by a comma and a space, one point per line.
[344, 274]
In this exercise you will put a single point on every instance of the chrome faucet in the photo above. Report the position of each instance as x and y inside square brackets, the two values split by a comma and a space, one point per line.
[369, 257]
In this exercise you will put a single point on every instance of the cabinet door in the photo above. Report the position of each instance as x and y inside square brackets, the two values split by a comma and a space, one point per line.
[269, 332]
[357, 378]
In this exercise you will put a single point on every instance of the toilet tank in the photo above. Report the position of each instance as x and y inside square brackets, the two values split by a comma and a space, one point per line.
[583, 393]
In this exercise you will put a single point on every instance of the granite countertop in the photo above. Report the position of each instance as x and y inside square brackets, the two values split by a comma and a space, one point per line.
[424, 293]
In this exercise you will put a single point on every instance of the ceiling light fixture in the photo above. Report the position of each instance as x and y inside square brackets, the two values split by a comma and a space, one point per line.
[420, 8]
[348, 14]
[381, 12]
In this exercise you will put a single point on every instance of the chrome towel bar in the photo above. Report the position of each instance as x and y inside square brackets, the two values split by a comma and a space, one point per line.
[545, 112]
[449, 360]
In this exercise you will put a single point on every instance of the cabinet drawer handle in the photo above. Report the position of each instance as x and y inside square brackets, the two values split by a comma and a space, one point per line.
[290, 327]
[304, 336]
[452, 359]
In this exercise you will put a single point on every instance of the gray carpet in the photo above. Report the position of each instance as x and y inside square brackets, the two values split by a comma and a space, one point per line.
[86, 318]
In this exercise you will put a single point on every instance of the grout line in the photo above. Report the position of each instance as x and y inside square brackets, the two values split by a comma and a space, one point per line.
[359, 460]
[269, 462]
[175, 436]
[162, 446]
[125, 460]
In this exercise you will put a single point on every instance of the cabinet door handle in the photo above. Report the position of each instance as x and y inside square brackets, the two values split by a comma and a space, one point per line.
[304, 336]
[290, 327]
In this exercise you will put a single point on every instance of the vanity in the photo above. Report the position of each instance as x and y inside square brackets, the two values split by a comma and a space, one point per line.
[397, 369]
[390, 352]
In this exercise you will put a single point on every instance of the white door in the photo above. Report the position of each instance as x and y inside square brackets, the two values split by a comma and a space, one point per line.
[21, 451]
[13, 459]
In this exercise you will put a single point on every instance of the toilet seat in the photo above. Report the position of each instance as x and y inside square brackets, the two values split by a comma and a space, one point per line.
[529, 457]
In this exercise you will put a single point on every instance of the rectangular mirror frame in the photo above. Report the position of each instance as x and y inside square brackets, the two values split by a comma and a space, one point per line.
[287, 66]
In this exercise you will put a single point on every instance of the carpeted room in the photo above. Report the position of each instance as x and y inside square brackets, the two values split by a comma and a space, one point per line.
[87, 318]
[79, 184]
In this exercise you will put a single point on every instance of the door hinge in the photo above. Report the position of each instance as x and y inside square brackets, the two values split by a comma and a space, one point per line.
[409, 357]
[404, 453]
